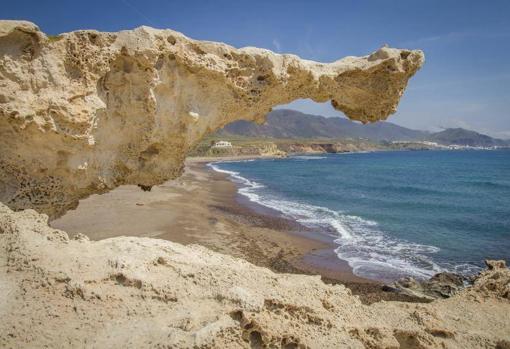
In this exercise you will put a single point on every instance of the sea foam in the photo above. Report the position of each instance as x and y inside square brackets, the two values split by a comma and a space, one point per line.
[369, 251]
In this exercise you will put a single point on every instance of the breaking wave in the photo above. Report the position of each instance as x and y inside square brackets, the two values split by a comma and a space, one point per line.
[369, 251]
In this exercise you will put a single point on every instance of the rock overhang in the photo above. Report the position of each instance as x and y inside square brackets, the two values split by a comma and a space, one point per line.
[86, 111]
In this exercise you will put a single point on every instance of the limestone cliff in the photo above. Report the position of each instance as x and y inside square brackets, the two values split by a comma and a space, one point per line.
[86, 111]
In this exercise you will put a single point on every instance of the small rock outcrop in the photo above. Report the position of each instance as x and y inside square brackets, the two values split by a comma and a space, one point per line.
[441, 285]
[84, 112]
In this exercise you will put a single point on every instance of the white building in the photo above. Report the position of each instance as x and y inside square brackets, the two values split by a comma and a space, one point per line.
[222, 144]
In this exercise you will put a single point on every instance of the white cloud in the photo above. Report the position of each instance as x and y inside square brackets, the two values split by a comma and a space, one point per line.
[277, 45]
[308, 47]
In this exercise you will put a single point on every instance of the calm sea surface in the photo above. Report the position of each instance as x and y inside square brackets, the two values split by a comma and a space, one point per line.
[393, 213]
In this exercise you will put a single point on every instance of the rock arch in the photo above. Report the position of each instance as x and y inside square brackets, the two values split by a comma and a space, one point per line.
[85, 112]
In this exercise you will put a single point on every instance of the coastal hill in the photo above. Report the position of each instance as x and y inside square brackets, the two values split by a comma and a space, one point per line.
[292, 124]
[466, 137]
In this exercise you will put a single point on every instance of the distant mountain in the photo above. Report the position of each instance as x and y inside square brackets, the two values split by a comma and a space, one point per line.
[462, 136]
[286, 123]
[292, 124]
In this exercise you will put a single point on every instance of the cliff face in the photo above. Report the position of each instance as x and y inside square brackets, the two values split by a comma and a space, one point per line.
[87, 111]
[326, 147]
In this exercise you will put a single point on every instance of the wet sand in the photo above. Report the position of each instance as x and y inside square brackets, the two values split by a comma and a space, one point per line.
[203, 207]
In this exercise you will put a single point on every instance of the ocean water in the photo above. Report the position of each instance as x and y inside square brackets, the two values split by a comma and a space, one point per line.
[392, 214]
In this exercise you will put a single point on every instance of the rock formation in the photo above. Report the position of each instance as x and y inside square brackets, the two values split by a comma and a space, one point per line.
[441, 285]
[140, 292]
[84, 112]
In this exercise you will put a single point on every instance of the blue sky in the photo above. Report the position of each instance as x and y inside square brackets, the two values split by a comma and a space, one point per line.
[465, 81]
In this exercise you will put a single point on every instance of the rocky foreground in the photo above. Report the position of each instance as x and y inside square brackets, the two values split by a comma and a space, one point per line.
[141, 292]
[85, 112]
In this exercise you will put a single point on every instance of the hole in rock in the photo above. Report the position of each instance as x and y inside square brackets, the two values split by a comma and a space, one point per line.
[256, 340]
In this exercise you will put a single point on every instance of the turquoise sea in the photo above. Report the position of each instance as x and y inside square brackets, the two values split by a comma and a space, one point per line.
[393, 213]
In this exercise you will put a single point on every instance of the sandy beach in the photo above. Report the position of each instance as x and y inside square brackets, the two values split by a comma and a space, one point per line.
[203, 207]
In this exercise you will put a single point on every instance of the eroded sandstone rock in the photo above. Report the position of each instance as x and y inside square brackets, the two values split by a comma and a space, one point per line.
[85, 112]
[139, 292]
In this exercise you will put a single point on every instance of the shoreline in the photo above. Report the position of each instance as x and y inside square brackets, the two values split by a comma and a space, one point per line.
[324, 261]
[204, 207]
[318, 258]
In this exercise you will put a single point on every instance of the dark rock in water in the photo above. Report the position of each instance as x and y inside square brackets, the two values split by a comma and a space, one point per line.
[441, 285]
[445, 284]
[448, 278]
